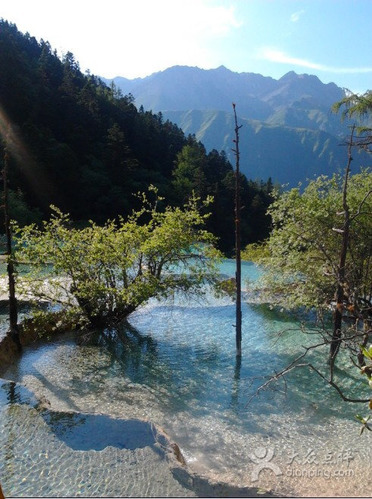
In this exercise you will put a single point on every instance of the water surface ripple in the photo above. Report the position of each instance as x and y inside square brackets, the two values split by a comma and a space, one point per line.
[174, 364]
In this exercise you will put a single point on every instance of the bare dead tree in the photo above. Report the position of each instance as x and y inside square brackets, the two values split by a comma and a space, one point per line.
[13, 305]
[238, 273]
[340, 294]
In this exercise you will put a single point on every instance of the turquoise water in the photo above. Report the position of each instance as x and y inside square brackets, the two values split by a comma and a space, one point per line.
[174, 364]
[45, 453]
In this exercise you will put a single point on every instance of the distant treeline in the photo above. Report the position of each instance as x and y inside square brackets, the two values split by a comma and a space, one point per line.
[84, 147]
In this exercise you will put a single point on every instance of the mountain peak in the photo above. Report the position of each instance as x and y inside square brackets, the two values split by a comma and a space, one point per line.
[291, 75]
[223, 68]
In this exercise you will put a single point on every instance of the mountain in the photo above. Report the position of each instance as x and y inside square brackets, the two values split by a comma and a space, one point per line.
[184, 88]
[289, 132]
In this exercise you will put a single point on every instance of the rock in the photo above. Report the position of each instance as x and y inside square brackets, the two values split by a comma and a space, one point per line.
[178, 453]
[44, 403]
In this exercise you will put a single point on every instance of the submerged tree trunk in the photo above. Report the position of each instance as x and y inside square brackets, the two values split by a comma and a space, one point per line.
[237, 242]
[13, 305]
[340, 293]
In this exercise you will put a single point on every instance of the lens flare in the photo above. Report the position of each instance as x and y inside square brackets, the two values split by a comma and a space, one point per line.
[10, 134]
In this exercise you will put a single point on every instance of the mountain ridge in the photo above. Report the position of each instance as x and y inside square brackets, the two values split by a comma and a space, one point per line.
[291, 87]
[292, 115]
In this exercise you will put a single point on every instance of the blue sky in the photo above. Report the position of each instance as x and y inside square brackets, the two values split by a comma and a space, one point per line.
[134, 38]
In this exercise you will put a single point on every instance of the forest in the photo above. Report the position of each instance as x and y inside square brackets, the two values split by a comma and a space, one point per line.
[84, 147]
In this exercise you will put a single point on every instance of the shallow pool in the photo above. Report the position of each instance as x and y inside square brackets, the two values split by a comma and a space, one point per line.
[47, 453]
[174, 364]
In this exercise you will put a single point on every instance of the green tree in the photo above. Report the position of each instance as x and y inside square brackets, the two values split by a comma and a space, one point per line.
[319, 255]
[255, 252]
[105, 272]
[305, 241]
[189, 173]
[360, 107]
[312, 264]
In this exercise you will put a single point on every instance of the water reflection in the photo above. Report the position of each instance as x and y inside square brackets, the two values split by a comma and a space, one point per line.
[159, 364]
[192, 372]
[9, 430]
[10, 396]
[235, 389]
[13, 393]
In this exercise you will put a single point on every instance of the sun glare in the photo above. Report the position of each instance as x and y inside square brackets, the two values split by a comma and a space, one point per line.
[11, 137]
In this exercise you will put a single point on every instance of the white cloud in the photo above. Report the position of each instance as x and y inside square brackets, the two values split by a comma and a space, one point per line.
[127, 37]
[296, 16]
[275, 55]
[169, 32]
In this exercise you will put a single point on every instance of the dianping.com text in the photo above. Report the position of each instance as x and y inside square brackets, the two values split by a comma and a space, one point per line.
[318, 472]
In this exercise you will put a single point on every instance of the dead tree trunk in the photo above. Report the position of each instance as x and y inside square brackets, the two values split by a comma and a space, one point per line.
[238, 274]
[13, 305]
[340, 293]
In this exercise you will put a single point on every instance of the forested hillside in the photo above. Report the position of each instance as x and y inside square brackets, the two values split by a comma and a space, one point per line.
[84, 147]
[288, 155]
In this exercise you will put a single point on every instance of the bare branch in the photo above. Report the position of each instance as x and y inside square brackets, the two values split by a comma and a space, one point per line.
[295, 364]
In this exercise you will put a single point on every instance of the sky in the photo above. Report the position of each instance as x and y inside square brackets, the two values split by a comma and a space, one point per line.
[331, 39]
